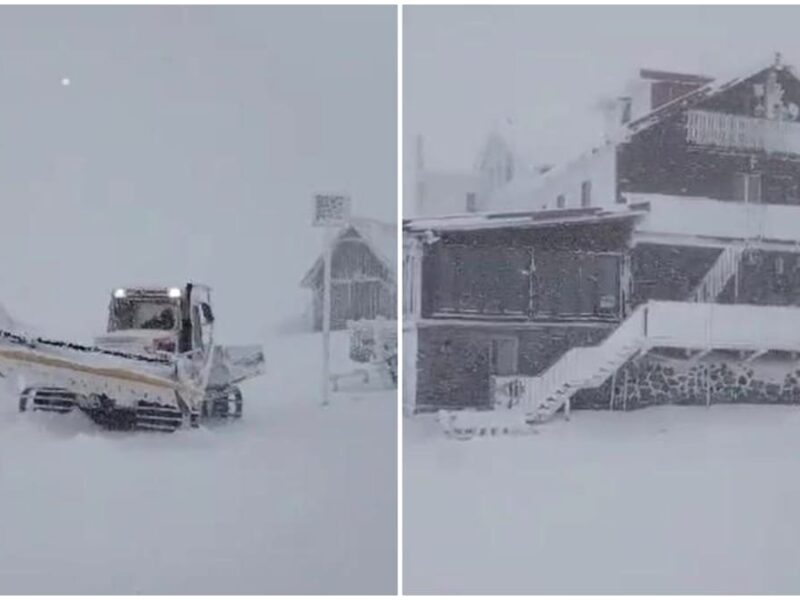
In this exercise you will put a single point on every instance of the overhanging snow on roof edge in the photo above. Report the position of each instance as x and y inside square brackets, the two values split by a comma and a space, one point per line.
[380, 238]
[526, 220]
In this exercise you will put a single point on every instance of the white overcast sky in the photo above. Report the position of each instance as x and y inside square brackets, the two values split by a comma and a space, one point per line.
[187, 146]
[545, 67]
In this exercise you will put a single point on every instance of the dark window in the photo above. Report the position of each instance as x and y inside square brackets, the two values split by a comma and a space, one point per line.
[197, 340]
[509, 171]
[481, 279]
[747, 187]
[472, 204]
[586, 194]
[577, 284]
[561, 201]
[627, 103]
[754, 188]
[781, 189]
[136, 314]
[503, 352]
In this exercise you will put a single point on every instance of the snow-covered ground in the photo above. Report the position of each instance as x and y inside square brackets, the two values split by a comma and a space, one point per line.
[295, 498]
[662, 500]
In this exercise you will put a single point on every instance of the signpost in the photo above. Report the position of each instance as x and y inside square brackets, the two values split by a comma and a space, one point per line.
[330, 212]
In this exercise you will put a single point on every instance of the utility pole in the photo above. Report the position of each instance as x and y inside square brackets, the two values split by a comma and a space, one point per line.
[326, 317]
[330, 212]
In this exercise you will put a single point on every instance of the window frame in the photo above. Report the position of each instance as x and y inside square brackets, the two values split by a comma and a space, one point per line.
[586, 193]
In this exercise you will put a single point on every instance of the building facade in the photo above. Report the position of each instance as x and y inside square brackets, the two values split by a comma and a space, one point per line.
[661, 267]
[363, 275]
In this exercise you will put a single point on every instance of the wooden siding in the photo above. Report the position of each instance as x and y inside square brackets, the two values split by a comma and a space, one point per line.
[362, 287]
[662, 160]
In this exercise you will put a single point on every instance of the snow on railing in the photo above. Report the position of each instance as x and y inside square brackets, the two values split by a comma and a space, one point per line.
[723, 326]
[510, 391]
[578, 367]
[739, 132]
[698, 216]
[685, 325]
[372, 339]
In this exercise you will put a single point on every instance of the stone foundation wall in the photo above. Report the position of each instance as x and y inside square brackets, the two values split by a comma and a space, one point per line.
[453, 371]
[658, 380]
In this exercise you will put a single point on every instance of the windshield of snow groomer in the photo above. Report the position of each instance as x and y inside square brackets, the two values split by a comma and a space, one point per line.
[131, 313]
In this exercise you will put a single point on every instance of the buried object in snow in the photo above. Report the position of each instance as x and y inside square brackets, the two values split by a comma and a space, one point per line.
[156, 368]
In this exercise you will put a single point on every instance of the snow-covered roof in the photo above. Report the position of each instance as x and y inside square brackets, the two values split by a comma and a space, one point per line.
[528, 184]
[524, 184]
[716, 86]
[380, 237]
[522, 219]
[534, 182]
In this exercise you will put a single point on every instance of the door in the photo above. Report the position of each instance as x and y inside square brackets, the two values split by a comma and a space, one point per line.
[340, 304]
[503, 352]
[202, 320]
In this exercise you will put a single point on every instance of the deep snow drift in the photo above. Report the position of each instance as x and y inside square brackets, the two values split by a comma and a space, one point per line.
[295, 498]
[662, 500]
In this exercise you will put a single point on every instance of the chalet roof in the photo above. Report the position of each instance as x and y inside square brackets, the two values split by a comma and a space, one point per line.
[380, 237]
[521, 219]
[712, 88]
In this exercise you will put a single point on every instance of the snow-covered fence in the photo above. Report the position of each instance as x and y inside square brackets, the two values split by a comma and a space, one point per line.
[373, 343]
[372, 340]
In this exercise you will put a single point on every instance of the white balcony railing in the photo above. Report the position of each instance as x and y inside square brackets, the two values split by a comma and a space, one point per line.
[738, 132]
[686, 325]
[705, 217]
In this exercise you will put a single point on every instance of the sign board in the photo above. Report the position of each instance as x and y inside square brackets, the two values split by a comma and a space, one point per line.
[331, 210]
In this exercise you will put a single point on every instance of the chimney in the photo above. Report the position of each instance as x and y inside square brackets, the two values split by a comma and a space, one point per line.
[666, 86]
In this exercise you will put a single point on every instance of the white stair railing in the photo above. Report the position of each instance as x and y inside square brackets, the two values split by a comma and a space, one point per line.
[690, 326]
[585, 366]
[718, 276]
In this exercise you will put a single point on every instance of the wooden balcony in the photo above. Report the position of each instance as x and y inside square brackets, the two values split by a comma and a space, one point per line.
[736, 132]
